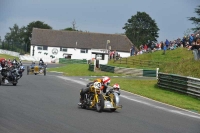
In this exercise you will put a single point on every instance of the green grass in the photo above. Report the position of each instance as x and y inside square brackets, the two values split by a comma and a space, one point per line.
[8, 57]
[179, 61]
[148, 88]
[80, 70]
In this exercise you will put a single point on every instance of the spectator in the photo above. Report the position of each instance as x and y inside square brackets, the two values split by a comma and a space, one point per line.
[167, 43]
[145, 47]
[184, 41]
[164, 48]
[132, 51]
[115, 54]
[191, 39]
[196, 38]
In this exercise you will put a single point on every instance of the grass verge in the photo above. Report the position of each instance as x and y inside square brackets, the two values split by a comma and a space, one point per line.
[148, 88]
[80, 70]
[8, 57]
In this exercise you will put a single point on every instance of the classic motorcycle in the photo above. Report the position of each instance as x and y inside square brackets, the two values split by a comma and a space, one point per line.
[94, 99]
[112, 100]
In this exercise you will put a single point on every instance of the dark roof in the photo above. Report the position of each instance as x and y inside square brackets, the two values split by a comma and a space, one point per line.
[60, 38]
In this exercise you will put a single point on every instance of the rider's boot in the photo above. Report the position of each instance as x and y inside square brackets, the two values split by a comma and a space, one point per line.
[81, 98]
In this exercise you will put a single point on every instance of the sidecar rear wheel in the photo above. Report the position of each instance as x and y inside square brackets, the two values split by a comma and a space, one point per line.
[100, 105]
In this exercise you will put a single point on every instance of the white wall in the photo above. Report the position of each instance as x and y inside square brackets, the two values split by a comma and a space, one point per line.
[124, 54]
[9, 52]
[76, 54]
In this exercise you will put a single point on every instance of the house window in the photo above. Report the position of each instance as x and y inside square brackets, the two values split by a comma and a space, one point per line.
[100, 57]
[45, 47]
[39, 47]
[64, 49]
[84, 50]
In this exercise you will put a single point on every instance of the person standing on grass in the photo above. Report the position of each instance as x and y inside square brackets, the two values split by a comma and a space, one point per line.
[164, 48]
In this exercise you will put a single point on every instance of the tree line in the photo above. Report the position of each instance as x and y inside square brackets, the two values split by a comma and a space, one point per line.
[140, 29]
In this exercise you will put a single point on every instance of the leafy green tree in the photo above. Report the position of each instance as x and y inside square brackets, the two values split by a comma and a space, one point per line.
[14, 39]
[141, 28]
[196, 20]
[70, 29]
[29, 28]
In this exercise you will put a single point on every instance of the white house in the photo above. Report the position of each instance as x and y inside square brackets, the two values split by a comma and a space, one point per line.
[54, 44]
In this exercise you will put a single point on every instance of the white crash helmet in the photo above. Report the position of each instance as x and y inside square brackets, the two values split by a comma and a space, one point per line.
[116, 87]
[106, 80]
[22, 68]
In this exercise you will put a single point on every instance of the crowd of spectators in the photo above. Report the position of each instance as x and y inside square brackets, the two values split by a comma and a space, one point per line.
[190, 42]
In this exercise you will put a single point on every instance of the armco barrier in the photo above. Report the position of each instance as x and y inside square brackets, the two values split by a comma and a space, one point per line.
[129, 71]
[149, 73]
[72, 61]
[107, 68]
[179, 83]
[91, 67]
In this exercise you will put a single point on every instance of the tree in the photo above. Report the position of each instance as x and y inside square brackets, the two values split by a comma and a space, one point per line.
[29, 28]
[14, 39]
[196, 20]
[141, 28]
[73, 28]
[187, 32]
[70, 29]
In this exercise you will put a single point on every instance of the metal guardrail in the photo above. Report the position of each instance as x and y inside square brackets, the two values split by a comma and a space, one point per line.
[129, 71]
[91, 67]
[183, 84]
[72, 61]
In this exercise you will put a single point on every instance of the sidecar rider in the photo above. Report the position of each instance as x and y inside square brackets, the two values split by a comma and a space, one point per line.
[115, 88]
[104, 85]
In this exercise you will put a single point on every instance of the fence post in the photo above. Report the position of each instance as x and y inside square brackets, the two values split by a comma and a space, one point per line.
[94, 64]
[157, 69]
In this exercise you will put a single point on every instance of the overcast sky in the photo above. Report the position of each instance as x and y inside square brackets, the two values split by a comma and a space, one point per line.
[100, 16]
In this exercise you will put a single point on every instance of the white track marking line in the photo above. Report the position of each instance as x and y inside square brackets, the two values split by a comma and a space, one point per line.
[197, 116]
[162, 108]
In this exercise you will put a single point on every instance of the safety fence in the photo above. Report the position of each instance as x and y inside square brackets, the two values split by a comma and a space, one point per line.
[128, 71]
[91, 67]
[187, 85]
[72, 61]
[141, 63]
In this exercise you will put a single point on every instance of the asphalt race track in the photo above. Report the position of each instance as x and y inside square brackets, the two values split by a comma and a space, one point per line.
[48, 104]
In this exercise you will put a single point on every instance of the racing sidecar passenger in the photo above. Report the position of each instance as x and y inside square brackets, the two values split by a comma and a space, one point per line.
[32, 65]
[115, 88]
[104, 85]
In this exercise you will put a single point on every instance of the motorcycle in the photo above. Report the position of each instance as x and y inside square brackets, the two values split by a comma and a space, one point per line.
[11, 74]
[94, 99]
[112, 100]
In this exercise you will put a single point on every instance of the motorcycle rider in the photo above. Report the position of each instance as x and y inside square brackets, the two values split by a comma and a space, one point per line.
[105, 81]
[41, 62]
[33, 64]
